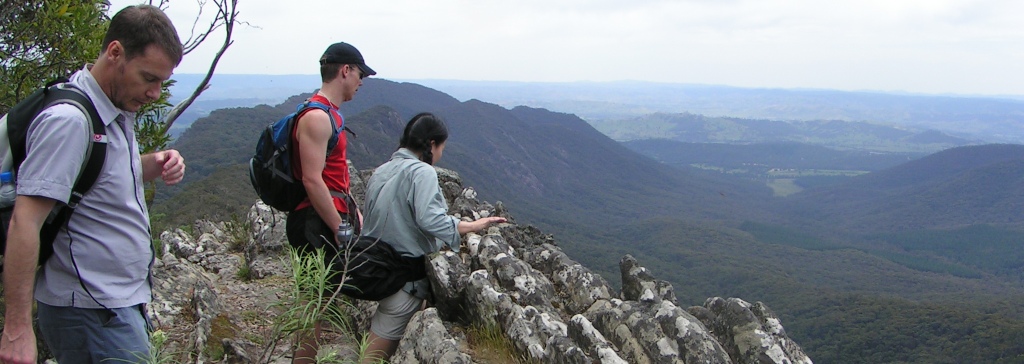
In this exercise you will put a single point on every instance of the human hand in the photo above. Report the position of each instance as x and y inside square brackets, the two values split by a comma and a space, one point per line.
[172, 166]
[483, 223]
[18, 346]
[488, 221]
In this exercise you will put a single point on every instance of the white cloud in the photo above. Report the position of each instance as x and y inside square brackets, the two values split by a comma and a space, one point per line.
[936, 46]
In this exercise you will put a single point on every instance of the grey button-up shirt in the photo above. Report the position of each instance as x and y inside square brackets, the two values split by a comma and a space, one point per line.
[405, 207]
[107, 237]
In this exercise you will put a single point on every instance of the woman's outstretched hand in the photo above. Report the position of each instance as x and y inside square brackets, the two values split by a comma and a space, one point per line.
[473, 226]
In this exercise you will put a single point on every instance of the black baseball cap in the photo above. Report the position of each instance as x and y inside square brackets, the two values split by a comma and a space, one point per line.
[344, 53]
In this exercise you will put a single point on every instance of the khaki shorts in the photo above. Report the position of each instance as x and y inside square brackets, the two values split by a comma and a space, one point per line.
[393, 315]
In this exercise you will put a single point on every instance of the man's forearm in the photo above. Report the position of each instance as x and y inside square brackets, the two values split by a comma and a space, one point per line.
[20, 261]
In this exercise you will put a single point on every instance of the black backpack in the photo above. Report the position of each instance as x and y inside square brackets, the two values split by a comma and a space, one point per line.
[374, 269]
[270, 169]
[12, 149]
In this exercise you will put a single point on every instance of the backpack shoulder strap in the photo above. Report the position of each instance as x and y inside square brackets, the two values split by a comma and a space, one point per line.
[336, 128]
[96, 151]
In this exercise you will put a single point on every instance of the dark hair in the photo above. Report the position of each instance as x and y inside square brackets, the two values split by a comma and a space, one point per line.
[329, 71]
[420, 131]
[139, 26]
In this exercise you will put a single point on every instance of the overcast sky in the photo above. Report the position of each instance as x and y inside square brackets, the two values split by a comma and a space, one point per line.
[922, 46]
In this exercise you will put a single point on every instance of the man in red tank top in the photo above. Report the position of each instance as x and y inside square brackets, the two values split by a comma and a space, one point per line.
[315, 221]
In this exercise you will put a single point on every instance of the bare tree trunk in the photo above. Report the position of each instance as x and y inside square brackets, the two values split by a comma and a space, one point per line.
[227, 15]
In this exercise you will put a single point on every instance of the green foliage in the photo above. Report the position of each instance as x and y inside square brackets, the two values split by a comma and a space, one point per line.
[928, 264]
[312, 294]
[964, 251]
[149, 122]
[42, 40]
[773, 234]
[854, 328]
[221, 328]
[312, 299]
[244, 271]
[149, 126]
[158, 246]
[223, 194]
[239, 231]
[239, 234]
[946, 190]
[159, 351]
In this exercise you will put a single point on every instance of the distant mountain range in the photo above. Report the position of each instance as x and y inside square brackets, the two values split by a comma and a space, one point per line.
[988, 119]
[992, 119]
[834, 134]
[847, 262]
[762, 157]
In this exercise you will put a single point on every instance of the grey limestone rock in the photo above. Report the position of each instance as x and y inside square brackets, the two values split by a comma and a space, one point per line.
[427, 340]
[583, 332]
[524, 284]
[576, 288]
[238, 351]
[268, 229]
[449, 274]
[183, 296]
[745, 335]
[639, 285]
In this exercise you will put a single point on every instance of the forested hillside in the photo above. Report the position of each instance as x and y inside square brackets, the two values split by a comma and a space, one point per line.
[949, 189]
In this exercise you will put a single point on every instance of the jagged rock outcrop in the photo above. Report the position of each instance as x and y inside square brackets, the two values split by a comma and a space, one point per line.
[436, 346]
[184, 294]
[751, 333]
[511, 278]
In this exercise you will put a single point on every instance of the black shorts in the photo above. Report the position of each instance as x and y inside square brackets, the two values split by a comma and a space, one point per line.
[306, 231]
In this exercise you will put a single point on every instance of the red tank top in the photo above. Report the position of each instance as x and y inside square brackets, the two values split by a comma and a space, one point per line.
[336, 169]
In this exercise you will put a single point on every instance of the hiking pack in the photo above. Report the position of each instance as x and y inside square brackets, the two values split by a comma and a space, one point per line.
[270, 169]
[374, 270]
[14, 128]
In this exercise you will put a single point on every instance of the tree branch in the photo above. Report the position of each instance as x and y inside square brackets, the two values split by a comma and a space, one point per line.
[228, 13]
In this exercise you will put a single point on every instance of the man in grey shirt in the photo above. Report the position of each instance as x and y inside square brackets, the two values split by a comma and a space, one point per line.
[91, 293]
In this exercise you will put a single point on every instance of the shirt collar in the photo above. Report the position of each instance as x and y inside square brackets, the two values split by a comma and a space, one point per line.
[403, 153]
[84, 80]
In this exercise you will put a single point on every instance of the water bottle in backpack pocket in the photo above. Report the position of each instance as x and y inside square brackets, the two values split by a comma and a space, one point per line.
[7, 190]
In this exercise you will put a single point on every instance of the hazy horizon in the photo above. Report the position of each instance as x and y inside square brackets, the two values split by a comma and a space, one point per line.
[315, 84]
[967, 47]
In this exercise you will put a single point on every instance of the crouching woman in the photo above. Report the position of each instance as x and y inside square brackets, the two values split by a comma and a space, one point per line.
[405, 206]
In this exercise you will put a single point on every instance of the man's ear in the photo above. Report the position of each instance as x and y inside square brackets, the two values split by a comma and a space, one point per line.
[114, 49]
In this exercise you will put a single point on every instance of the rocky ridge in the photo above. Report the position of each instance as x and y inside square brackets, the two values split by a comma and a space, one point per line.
[512, 278]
